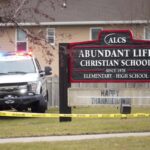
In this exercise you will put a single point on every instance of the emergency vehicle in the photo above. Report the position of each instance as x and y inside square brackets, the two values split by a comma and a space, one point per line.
[22, 82]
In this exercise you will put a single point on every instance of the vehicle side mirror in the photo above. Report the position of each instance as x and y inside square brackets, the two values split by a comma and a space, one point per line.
[48, 70]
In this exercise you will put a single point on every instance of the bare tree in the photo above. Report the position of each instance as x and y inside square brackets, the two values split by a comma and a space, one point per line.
[16, 13]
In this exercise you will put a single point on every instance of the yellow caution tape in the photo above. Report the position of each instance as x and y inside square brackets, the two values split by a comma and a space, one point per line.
[48, 115]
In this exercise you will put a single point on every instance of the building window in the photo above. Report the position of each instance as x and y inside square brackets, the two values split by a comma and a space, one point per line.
[94, 32]
[21, 43]
[147, 32]
[51, 35]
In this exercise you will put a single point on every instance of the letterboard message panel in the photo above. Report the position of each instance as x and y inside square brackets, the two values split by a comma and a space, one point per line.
[114, 57]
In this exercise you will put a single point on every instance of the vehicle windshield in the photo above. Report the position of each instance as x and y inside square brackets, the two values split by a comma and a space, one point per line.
[17, 67]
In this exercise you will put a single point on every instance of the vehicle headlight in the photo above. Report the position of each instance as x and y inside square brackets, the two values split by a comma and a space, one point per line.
[33, 86]
[23, 89]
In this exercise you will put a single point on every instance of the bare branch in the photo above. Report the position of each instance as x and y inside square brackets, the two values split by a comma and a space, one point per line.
[19, 8]
[15, 12]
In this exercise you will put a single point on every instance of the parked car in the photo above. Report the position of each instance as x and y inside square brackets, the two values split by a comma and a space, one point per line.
[23, 83]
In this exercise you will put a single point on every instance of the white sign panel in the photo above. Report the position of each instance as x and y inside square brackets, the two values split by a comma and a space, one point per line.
[95, 96]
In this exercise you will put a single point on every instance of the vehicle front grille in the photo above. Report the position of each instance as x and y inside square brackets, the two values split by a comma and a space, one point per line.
[11, 89]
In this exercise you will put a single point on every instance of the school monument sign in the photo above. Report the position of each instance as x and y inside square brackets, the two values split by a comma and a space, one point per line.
[115, 57]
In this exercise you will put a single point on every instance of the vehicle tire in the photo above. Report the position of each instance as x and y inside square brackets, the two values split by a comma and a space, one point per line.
[40, 106]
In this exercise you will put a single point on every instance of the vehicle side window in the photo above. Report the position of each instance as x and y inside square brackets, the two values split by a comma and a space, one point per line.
[38, 64]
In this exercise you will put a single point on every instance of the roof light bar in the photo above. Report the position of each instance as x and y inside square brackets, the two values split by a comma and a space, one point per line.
[18, 53]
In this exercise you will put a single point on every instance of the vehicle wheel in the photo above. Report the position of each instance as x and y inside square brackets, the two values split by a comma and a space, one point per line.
[40, 106]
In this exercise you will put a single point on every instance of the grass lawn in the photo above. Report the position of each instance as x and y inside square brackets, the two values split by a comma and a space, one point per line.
[132, 143]
[21, 127]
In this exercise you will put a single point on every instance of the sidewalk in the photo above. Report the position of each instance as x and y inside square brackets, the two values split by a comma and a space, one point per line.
[70, 137]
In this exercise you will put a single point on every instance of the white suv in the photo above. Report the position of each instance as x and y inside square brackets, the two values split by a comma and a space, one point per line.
[22, 83]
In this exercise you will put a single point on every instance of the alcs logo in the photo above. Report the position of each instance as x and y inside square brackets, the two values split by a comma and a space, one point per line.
[113, 39]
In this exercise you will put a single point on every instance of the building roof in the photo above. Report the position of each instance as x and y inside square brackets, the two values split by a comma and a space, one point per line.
[84, 12]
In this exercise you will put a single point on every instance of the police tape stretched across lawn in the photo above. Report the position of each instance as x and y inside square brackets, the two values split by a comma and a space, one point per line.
[51, 115]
